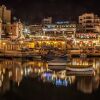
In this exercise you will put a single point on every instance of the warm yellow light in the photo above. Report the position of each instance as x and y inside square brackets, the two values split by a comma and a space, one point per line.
[39, 64]
[32, 45]
[42, 37]
[63, 42]
[21, 42]
[48, 42]
[4, 43]
[55, 42]
[40, 42]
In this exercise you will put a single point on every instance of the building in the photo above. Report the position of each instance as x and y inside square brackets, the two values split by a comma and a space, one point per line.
[14, 30]
[89, 22]
[0, 26]
[35, 29]
[88, 30]
[5, 14]
[17, 30]
[60, 29]
[47, 20]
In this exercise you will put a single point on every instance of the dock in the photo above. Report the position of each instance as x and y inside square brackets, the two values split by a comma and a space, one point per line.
[20, 55]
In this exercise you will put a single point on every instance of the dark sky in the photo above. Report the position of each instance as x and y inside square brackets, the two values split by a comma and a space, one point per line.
[34, 10]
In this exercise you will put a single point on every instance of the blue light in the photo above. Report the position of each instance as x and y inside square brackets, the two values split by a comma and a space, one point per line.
[58, 82]
[65, 82]
[48, 76]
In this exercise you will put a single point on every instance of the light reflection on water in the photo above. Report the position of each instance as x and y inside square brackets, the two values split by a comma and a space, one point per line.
[16, 69]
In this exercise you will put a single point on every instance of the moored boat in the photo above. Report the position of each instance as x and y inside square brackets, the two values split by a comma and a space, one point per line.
[57, 64]
[80, 68]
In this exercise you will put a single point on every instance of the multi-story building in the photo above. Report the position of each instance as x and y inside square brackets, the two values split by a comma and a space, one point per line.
[5, 14]
[35, 29]
[60, 29]
[88, 30]
[89, 22]
[14, 30]
[47, 20]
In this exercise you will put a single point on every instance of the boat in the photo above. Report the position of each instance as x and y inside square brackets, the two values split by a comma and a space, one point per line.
[49, 56]
[83, 55]
[63, 57]
[57, 63]
[80, 73]
[80, 68]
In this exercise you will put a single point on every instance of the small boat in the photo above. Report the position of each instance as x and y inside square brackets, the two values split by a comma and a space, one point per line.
[80, 68]
[37, 57]
[49, 56]
[57, 62]
[80, 73]
[63, 57]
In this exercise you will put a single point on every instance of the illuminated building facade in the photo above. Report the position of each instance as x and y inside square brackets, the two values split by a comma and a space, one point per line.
[86, 42]
[60, 29]
[17, 30]
[5, 14]
[35, 29]
[89, 22]
[88, 30]
[14, 30]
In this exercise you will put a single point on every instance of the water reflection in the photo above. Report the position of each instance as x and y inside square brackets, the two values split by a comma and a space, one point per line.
[87, 84]
[16, 69]
[58, 78]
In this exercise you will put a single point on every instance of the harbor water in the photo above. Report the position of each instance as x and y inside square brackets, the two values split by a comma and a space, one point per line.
[24, 79]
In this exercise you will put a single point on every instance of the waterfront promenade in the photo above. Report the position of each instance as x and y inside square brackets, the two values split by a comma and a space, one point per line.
[20, 54]
[39, 54]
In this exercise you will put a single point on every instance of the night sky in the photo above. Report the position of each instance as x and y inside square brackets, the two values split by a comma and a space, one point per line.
[31, 11]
